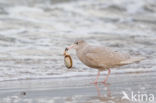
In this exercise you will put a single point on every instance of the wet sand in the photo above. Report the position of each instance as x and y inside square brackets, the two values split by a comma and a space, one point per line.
[78, 89]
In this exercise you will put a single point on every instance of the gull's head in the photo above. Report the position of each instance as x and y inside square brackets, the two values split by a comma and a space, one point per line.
[77, 44]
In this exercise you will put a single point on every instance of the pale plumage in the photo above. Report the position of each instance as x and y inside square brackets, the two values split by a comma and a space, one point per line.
[101, 58]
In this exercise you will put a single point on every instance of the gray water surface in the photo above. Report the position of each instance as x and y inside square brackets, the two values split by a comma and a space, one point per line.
[34, 33]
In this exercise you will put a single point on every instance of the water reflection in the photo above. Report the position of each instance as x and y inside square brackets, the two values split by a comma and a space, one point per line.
[99, 90]
[104, 94]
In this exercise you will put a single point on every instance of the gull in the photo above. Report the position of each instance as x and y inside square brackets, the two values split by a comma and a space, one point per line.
[101, 58]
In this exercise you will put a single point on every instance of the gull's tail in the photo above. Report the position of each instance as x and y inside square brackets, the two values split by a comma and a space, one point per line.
[132, 60]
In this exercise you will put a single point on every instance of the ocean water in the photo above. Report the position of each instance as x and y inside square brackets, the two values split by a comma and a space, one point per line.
[34, 34]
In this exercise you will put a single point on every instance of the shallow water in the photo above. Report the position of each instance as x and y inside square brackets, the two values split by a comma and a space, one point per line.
[79, 90]
[34, 34]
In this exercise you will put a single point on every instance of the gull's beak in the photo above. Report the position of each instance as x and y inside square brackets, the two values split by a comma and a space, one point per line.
[70, 47]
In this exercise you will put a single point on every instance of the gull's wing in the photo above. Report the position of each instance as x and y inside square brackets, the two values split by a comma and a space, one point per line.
[104, 57]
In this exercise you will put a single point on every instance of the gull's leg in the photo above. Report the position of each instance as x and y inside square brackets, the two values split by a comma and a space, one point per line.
[109, 71]
[97, 77]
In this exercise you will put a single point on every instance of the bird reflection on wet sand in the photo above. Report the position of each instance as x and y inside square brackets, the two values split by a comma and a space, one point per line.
[106, 85]
[104, 94]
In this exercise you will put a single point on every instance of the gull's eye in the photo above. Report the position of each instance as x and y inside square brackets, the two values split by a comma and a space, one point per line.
[77, 43]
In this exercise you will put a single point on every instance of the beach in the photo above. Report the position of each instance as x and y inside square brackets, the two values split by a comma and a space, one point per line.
[34, 34]
[79, 89]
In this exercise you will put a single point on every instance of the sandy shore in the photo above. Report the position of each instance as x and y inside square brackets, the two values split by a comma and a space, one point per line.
[78, 89]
